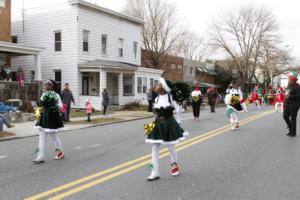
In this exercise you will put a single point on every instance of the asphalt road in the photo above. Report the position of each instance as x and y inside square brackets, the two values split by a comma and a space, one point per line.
[257, 162]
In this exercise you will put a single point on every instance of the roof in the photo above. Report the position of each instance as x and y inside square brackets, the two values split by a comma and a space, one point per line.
[17, 49]
[109, 64]
[105, 10]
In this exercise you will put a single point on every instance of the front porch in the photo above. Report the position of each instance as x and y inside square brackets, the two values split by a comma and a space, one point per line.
[118, 78]
[10, 51]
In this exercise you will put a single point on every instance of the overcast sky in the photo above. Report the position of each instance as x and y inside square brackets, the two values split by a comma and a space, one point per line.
[197, 14]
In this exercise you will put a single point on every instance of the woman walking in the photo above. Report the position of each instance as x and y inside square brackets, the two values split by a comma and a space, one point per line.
[166, 130]
[50, 121]
[196, 102]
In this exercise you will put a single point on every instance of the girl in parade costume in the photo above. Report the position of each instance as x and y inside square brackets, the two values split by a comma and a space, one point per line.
[234, 106]
[50, 121]
[255, 99]
[166, 130]
[88, 110]
[196, 102]
[280, 97]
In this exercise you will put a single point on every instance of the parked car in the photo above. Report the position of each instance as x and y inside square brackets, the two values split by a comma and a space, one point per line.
[15, 103]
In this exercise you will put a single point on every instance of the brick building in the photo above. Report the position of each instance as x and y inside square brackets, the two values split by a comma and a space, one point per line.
[5, 22]
[172, 66]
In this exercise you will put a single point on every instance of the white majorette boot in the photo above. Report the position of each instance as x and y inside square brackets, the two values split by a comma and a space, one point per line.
[40, 158]
[153, 177]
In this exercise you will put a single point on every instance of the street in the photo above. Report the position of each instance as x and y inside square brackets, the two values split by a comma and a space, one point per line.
[257, 162]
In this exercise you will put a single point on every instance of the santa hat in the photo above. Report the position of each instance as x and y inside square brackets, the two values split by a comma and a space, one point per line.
[293, 76]
[166, 84]
[87, 101]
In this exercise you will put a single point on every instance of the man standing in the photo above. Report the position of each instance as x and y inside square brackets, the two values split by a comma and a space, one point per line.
[67, 98]
[292, 104]
[105, 100]
[149, 98]
[212, 96]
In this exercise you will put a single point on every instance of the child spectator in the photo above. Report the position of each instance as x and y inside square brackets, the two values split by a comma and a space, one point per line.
[88, 110]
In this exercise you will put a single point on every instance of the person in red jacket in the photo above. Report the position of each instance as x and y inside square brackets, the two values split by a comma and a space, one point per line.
[88, 110]
[280, 97]
[255, 99]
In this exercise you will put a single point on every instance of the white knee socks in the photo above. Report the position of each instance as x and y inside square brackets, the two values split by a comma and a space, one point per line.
[173, 153]
[56, 141]
[155, 157]
[42, 142]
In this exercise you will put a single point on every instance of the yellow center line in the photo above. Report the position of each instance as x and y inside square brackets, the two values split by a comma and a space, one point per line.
[107, 171]
[131, 168]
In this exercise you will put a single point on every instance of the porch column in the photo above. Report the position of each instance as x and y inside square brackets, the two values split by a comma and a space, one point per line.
[120, 80]
[37, 58]
[103, 83]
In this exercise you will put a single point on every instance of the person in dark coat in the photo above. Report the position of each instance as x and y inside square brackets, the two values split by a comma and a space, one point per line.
[105, 100]
[196, 102]
[150, 99]
[292, 104]
[67, 98]
[212, 96]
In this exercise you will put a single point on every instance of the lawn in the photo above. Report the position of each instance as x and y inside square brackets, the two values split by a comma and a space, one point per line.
[81, 113]
[97, 121]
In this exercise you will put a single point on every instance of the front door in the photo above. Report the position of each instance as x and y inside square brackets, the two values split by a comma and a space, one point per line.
[115, 93]
[85, 85]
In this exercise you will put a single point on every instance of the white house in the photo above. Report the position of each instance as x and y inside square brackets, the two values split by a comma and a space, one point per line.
[88, 46]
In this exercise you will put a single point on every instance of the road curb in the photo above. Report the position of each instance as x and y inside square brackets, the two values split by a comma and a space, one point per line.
[91, 126]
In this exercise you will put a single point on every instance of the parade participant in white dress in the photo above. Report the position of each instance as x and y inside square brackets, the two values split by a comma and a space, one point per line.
[50, 121]
[234, 106]
[166, 130]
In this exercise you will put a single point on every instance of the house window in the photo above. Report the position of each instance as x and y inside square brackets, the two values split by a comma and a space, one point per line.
[103, 44]
[57, 78]
[2, 59]
[121, 41]
[142, 85]
[179, 68]
[173, 67]
[151, 82]
[90, 84]
[2, 3]
[128, 85]
[57, 41]
[14, 39]
[135, 46]
[147, 63]
[85, 45]
[191, 70]
[32, 75]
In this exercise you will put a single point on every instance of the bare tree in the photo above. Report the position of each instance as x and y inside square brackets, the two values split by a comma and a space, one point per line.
[273, 60]
[161, 27]
[241, 36]
[191, 46]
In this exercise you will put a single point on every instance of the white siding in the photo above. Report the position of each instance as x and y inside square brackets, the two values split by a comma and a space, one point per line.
[99, 23]
[39, 32]
[148, 73]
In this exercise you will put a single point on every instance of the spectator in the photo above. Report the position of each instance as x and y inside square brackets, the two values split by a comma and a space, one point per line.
[105, 100]
[88, 110]
[21, 77]
[212, 97]
[4, 120]
[67, 98]
[150, 99]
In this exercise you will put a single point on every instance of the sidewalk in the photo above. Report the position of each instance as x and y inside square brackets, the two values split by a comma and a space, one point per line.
[27, 129]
